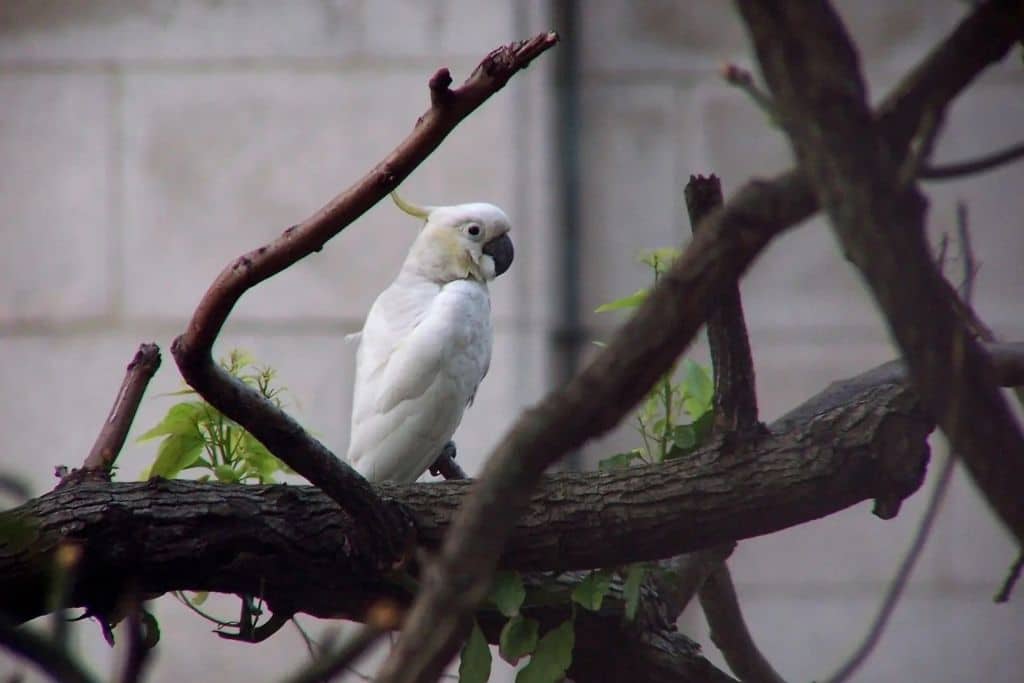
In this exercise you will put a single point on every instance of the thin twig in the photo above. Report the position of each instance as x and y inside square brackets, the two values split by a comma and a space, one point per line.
[1011, 579]
[311, 645]
[735, 75]
[974, 166]
[381, 618]
[329, 666]
[899, 582]
[385, 528]
[921, 145]
[970, 265]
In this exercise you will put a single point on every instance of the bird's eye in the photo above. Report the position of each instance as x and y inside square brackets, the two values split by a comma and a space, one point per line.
[473, 230]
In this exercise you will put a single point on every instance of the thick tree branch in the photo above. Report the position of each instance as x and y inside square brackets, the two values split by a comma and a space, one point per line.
[272, 426]
[859, 439]
[662, 327]
[813, 71]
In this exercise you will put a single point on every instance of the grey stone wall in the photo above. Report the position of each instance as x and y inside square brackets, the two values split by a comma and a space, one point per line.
[148, 143]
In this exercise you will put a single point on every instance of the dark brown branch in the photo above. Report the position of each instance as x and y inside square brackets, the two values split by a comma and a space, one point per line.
[139, 646]
[859, 439]
[731, 359]
[115, 429]
[54, 661]
[741, 78]
[685, 575]
[812, 69]
[735, 406]
[983, 164]
[272, 426]
[662, 327]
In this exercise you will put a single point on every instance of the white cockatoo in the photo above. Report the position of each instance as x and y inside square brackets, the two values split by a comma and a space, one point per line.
[426, 344]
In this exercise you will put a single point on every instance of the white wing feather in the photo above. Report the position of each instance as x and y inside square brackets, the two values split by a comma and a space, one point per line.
[423, 352]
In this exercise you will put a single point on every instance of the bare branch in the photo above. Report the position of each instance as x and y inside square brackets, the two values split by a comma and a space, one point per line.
[55, 661]
[732, 363]
[735, 413]
[729, 632]
[736, 75]
[983, 164]
[138, 650]
[115, 429]
[687, 574]
[272, 426]
[895, 591]
[812, 69]
[675, 309]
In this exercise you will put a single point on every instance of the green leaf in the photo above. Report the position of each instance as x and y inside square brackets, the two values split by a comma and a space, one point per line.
[699, 390]
[475, 664]
[660, 259]
[226, 474]
[201, 463]
[507, 592]
[631, 301]
[619, 460]
[684, 437]
[518, 638]
[256, 455]
[590, 591]
[182, 418]
[552, 657]
[176, 452]
[631, 588]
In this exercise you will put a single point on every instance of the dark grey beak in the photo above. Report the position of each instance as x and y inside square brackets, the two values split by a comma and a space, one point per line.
[501, 251]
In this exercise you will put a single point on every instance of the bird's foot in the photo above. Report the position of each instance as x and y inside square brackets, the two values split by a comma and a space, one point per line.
[445, 466]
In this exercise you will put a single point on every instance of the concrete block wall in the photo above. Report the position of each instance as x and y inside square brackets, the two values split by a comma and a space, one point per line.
[656, 111]
[147, 144]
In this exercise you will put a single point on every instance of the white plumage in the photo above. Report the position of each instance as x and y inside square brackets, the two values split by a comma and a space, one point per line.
[426, 344]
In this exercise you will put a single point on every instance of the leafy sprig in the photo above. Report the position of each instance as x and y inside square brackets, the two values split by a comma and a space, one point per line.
[198, 436]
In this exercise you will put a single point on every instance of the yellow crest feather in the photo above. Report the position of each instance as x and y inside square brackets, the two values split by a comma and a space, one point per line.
[411, 209]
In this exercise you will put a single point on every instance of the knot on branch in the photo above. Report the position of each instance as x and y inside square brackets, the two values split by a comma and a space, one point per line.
[440, 88]
[901, 442]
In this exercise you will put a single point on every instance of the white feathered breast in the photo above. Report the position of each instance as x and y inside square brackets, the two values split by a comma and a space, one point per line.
[422, 353]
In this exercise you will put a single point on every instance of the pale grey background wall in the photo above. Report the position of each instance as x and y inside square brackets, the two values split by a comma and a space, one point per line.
[145, 144]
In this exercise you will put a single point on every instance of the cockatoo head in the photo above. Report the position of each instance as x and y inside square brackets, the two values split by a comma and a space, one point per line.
[459, 242]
